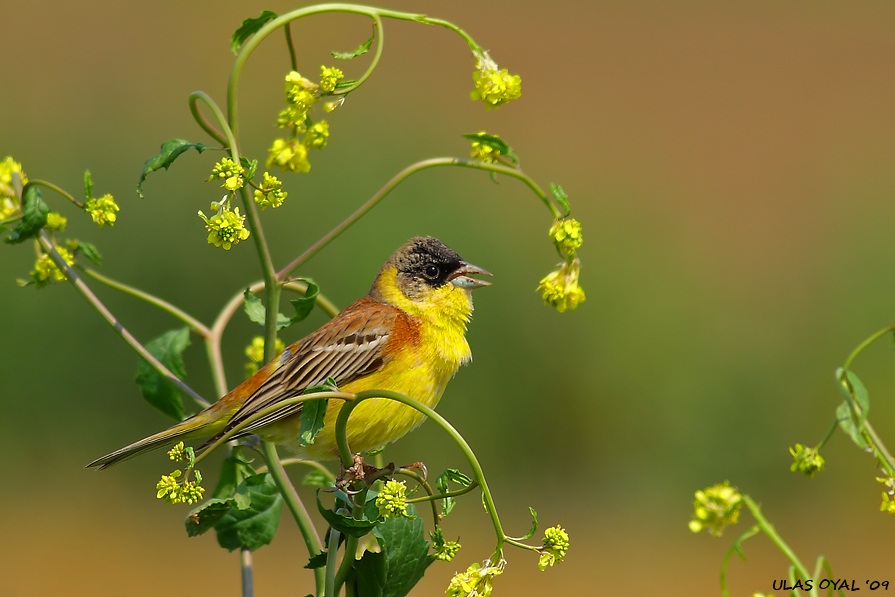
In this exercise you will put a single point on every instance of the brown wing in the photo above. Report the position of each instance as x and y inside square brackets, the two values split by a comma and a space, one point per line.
[345, 348]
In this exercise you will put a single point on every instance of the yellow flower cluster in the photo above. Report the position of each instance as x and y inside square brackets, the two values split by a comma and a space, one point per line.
[255, 353]
[9, 203]
[392, 500]
[807, 461]
[716, 507]
[102, 210]
[476, 581]
[566, 235]
[173, 491]
[555, 546]
[301, 94]
[271, 193]
[232, 174]
[560, 288]
[225, 228]
[888, 503]
[494, 86]
[46, 271]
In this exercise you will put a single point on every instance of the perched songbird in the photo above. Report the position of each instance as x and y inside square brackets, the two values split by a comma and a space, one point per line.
[406, 335]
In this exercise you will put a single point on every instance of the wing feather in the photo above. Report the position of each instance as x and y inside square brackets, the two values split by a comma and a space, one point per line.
[345, 348]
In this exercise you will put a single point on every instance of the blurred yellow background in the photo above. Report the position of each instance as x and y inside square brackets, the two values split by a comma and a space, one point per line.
[734, 168]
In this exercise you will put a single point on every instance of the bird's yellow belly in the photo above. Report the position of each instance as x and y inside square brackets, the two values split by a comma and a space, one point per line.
[376, 421]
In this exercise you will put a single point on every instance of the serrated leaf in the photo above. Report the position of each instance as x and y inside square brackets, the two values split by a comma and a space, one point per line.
[316, 561]
[34, 216]
[406, 551]
[345, 524]
[157, 390]
[442, 483]
[202, 518]
[90, 252]
[358, 51]
[561, 197]
[372, 574]
[168, 152]
[249, 28]
[253, 527]
[312, 416]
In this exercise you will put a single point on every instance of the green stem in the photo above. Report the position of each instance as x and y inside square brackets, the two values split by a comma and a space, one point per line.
[201, 121]
[283, 20]
[398, 178]
[347, 458]
[331, 563]
[49, 185]
[194, 324]
[245, 561]
[119, 328]
[867, 342]
[768, 529]
[296, 507]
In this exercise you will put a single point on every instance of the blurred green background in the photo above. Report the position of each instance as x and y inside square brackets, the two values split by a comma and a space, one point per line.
[733, 165]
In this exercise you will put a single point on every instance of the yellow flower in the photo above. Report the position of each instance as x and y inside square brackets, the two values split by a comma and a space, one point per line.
[300, 91]
[807, 461]
[271, 193]
[716, 507]
[225, 228]
[46, 271]
[103, 210]
[888, 503]
[493, 86]
[9, 203]
[317, 135]
[560, 288]
[255, 352]
[476, 581]
[230, 172]
[56, 221]
[288, 155]
[392, 500]
[566, 235]
[556, 544]
[329, 78]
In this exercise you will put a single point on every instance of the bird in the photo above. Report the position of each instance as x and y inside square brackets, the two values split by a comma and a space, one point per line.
[406, 335]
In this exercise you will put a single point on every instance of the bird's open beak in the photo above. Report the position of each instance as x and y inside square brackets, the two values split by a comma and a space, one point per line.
[460, 277]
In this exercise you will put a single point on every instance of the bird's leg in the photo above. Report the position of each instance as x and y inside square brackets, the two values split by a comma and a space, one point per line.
[356, 472]
[420, 466]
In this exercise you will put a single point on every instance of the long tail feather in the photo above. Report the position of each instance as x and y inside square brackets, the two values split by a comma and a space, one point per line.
[152, 442]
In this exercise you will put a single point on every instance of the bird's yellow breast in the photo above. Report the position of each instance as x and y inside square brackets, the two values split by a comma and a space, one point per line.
[422, 354]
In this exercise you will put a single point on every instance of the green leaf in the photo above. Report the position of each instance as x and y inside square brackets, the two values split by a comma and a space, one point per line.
[402, 562]
[358, 51]
[855, 397]
[312, 415]
[34, 216]
[495, 143]
[204, 516]
[561, 197]
[251, 167]
[249, 28]
[345, 524]
[90, 252]
[158, 391]
[253, 527]
[88, 185]
[534, 525]
[168, 152]
[234, 470]
[442, 483]
[256, 312]
[316, 561]
[305, 304]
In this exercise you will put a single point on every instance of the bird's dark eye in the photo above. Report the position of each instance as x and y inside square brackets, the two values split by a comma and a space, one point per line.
[432, 271]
